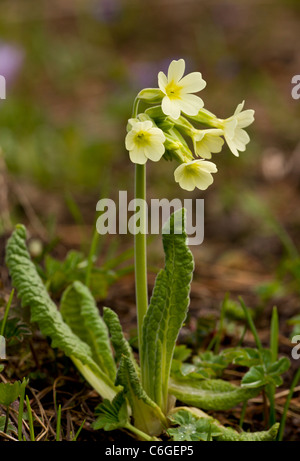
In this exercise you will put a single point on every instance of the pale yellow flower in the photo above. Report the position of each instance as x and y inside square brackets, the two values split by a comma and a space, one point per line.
[236, 137]
[197, 173]
[145, 141]
[177, 90]
[207, 142]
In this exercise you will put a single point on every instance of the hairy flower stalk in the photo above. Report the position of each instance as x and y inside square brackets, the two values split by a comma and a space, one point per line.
[177, 127]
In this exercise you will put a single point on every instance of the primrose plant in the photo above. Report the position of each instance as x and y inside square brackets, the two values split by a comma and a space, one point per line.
[139, 395]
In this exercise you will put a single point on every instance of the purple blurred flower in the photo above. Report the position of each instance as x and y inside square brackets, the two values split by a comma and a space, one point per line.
[11, 60]
[107, 10]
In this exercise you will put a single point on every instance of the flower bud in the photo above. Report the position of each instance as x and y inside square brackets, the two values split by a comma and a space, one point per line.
[151, 95]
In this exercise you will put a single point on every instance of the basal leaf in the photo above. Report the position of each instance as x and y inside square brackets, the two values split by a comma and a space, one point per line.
[167, 311]
[147, 415]
[210, 394]
[81, 313]
[33, 293]
[120, 344]
[194, 424]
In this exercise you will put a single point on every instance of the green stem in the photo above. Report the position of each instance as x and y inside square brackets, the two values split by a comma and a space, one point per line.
[141, 435]
[30, 419]
[6, 312]
[92, 253]
[295, 381]
[58, 424]
[140, 251]
[140, 244]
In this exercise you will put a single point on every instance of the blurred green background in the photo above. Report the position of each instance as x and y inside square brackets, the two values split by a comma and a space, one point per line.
[73, 69]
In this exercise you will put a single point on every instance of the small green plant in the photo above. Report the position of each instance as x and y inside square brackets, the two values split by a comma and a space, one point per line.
[140, 395]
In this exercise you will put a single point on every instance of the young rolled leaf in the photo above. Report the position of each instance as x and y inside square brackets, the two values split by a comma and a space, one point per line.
[147, 415]
[120, 344]
[210, 394]
[44, 312]
[167, 311]
[80, 312]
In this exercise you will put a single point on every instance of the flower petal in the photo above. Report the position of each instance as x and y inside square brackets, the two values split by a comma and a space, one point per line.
[203, 180]
[154, 152]
[129, 140]
[190, 104]
[192, 83]
[137, 156]
[176, 70]
[209, 167]
[171, 107]
[162, 81]
[239, 108]
[232, 146]
[245, 118]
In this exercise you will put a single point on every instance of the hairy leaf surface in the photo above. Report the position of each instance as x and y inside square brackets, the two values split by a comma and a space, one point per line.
[33, 293]
[210, 394]
[147, 415]
[167, 311]
[80, 312]
[120, 344]
[194, 424]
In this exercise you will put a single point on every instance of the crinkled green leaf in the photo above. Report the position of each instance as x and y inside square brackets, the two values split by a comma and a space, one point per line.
[120, 344]
[33, 293]
[192, 421]
[9, 392]
[147, 415]
[81, 313]
[167, 311]
[210, 394]
[112, 415]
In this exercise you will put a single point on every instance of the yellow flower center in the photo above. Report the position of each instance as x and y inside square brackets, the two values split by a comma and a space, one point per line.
[142, 138]
[191, 170]
[173, 90]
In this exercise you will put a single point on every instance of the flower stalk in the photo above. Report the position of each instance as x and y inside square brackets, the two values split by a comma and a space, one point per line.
[140, 250]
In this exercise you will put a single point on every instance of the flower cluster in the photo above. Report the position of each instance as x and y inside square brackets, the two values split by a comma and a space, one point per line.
[164, 128]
